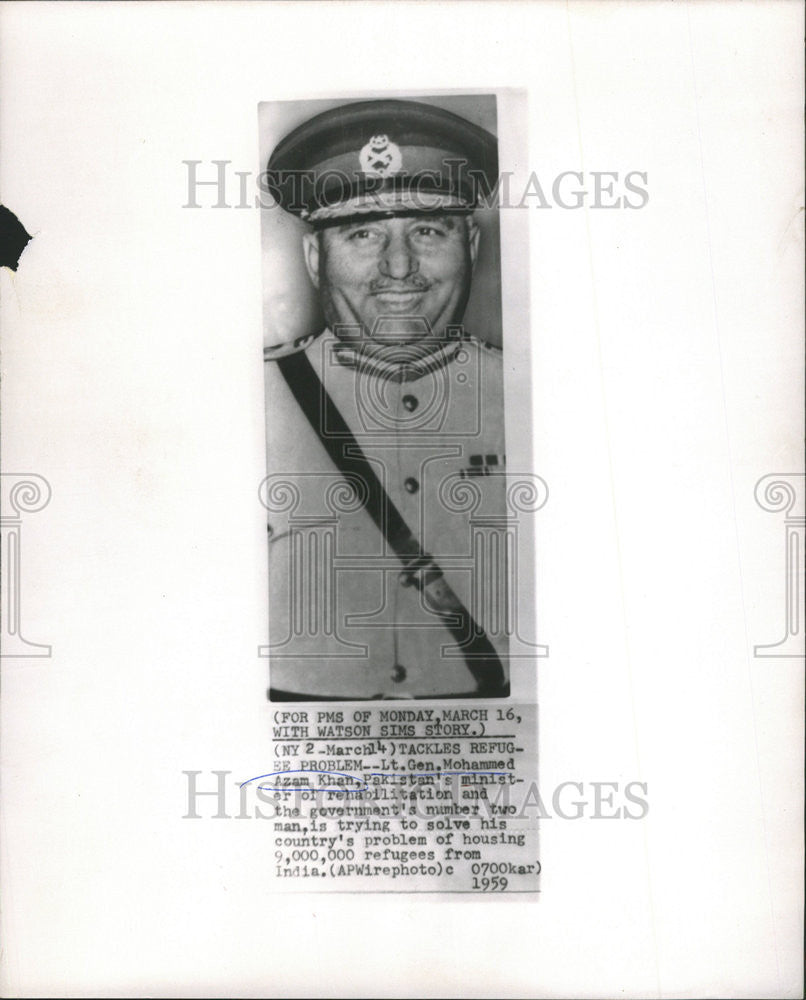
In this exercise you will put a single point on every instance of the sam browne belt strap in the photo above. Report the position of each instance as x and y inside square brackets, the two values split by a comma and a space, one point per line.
[419, 568]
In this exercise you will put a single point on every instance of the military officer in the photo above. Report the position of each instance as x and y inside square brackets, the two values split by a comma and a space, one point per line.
[385, 433]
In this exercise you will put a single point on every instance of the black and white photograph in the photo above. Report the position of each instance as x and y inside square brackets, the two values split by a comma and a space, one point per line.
[387, 485]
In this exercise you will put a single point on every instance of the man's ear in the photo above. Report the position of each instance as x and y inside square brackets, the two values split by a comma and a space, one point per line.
[473, 234]
[310, 248]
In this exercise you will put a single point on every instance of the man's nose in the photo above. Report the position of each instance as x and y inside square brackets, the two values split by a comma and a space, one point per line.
[397, 260]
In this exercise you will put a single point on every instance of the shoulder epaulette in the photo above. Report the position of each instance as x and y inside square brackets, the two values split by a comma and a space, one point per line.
[283, 350]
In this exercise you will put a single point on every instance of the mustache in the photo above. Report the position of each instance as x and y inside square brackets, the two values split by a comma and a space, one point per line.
[413, 283]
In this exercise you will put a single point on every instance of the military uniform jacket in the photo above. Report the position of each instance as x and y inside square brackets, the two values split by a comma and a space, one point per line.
[344, 620]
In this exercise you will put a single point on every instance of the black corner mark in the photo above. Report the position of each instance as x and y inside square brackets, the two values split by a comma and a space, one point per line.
[14, 238]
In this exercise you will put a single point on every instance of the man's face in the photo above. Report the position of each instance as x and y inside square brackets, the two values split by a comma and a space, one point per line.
[405, 269]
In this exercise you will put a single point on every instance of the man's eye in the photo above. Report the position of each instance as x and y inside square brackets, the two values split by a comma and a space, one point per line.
[361, 234]
[429, 231]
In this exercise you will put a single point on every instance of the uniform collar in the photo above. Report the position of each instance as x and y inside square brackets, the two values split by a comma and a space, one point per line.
[396, 363]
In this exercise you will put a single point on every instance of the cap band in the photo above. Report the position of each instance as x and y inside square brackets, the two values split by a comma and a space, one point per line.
[387, 203]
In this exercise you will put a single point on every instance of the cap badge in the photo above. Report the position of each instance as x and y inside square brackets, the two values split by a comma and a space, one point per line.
[380, 157]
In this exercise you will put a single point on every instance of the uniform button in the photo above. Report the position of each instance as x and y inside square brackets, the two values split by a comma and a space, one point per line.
[399, 673]
[411, 485]
[410, 403]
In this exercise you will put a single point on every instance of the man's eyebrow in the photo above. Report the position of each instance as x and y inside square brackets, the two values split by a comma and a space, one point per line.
[347, 227]
[448, 221]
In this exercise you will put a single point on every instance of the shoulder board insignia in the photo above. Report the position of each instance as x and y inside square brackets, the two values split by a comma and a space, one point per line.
[283, 350]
